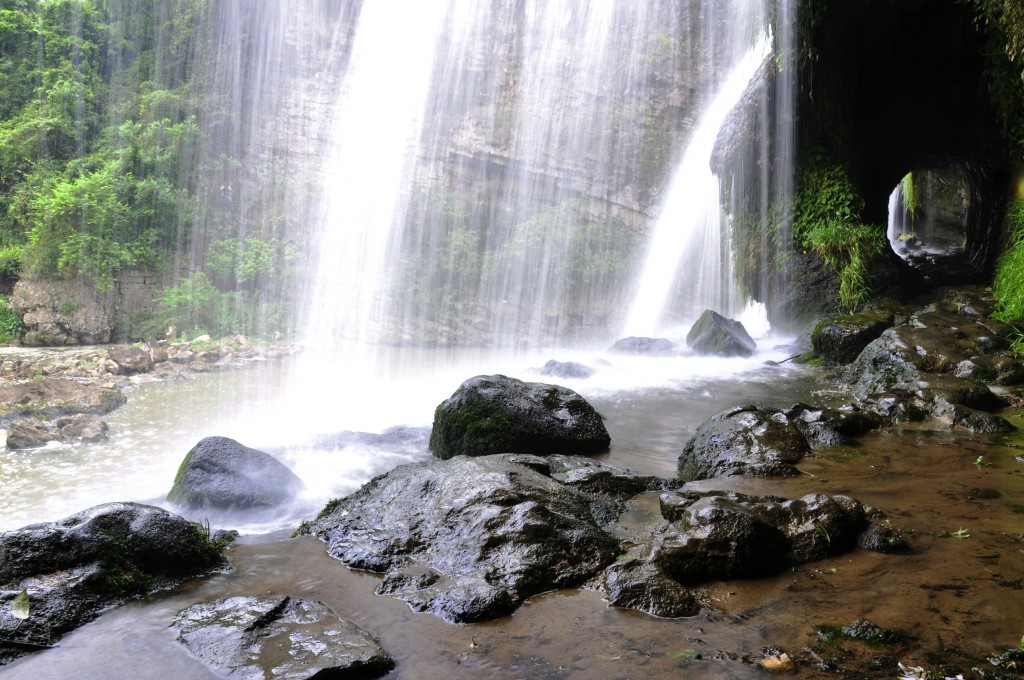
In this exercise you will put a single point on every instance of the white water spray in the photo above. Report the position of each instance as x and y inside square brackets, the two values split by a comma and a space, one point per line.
[690, 224]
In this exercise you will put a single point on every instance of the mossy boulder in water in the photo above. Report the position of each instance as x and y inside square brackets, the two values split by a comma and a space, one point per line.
[841, 339]
[80, 565]
[744, 440]
[221, 474]
[497, 414]
[714, 334]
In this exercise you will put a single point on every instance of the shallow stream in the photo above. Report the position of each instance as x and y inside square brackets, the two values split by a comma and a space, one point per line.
[958, 497]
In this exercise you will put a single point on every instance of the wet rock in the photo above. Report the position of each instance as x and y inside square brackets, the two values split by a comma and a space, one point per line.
[969, 419]
[566, 369]
[130, 359]
[58, 397]
[467, 539]
[608, 487]
[832, 427]
[158, 351]
[722, 535]
[883, 539]
[222, 474]
[497, 414]
[74, 568]
[277, 637]
[714, 334]
[657, 347]
[840, 340]
[31, 434]
[743, 440]
[634, 584]
[82, 428]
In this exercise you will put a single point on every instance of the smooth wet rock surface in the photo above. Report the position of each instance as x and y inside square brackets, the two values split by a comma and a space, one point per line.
[222, 474]
[496, 414]
[744, 440]
[74, 568]
[274, 636]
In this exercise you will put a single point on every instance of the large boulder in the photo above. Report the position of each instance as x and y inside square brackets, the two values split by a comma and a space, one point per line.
[58, 397]
[497, 414]
[277, 637]
[468, 539]
[221, 474]
[744, 440]
[712, 333]
[80, 565]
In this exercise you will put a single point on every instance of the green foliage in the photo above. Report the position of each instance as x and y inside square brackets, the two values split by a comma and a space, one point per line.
[11, 326]
[20, 605]
[10, 261]
[1008, 285]
[910, 195]
[826, 220]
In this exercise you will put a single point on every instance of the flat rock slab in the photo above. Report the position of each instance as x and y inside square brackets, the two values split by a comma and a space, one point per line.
[58, 397]
[277, 637]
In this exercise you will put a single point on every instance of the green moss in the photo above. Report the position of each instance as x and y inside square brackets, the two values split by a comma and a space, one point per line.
[861, 630]
[471, 429]
[809, 358]
[177, 494]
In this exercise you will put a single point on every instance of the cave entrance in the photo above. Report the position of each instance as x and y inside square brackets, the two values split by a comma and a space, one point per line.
[929, 222]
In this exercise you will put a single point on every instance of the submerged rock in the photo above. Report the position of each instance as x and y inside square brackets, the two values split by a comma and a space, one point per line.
[468, 539]
[744, 440]
[712, 333]
[566, 369]
[222, 474]
[277, 637]
[497, 414]
[641, 345]
[74, 568]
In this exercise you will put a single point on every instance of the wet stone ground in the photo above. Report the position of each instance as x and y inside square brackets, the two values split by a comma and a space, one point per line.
[950, 603]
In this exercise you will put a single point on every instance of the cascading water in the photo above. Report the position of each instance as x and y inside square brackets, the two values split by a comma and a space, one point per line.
[688, 242]
[479, 176]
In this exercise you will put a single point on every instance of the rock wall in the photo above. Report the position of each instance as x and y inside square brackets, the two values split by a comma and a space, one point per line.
[59, 313]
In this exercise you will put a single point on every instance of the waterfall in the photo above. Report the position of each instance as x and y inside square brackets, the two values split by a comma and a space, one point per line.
[494, 167]
[688, 241]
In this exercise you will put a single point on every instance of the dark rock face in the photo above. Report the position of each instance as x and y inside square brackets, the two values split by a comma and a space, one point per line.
[276, 636]
[222, 474]
[842, 339]
[714, 334]
[58, 397]
[640, 345]
[30, 434]
[77, 566]
[497, 414]
[722, 535]
[743, 440]
[566, 369]
[468, 539]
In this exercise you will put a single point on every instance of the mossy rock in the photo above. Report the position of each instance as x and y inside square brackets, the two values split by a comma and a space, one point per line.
[840, 340]
[496, 414]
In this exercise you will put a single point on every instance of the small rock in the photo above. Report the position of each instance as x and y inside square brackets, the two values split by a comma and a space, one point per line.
[657, 347]
[714, 334]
